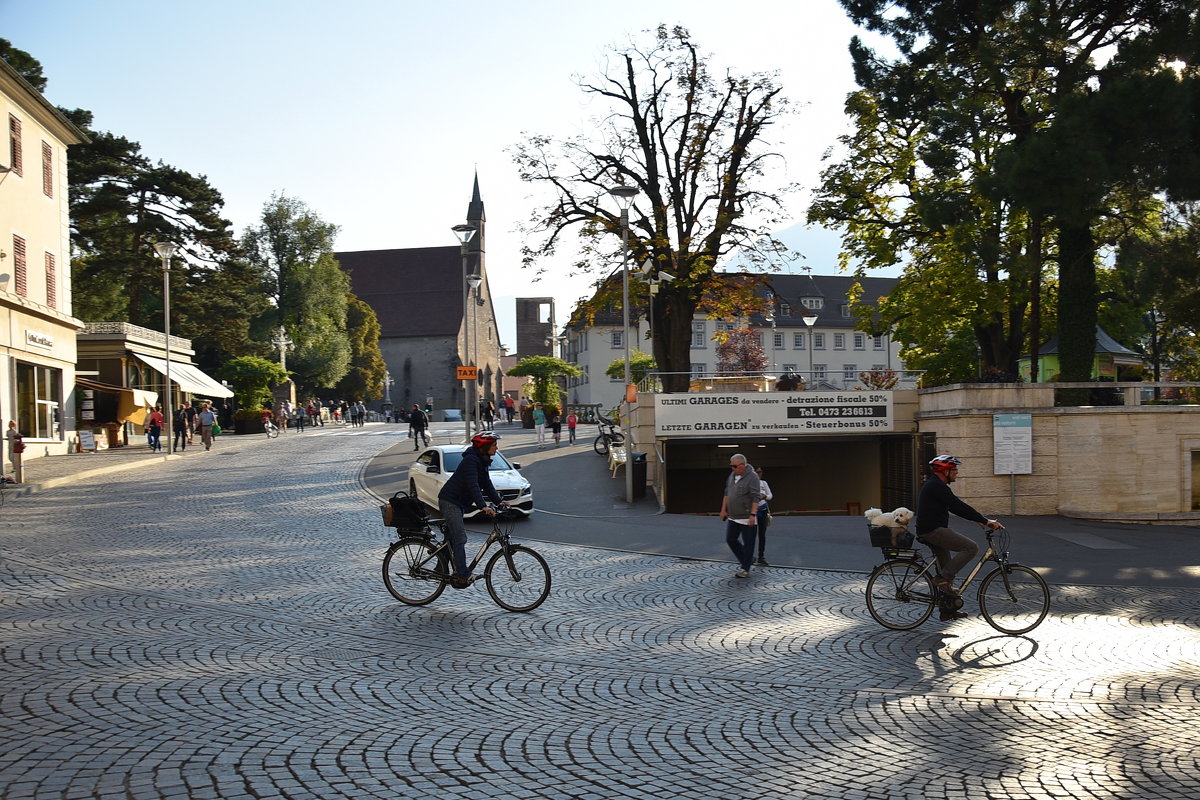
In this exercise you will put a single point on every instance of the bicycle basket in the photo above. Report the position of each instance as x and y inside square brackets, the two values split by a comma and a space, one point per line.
[883, 536]
[404, 513]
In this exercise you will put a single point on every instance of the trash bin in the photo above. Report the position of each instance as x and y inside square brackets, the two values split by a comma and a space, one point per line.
[637, 463]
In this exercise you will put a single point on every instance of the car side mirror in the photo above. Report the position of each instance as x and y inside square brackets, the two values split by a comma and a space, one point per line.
[516, 465]
[431, 468]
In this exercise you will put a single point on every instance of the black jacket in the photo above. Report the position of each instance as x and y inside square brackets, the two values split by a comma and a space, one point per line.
[470, 482]
[936, 502]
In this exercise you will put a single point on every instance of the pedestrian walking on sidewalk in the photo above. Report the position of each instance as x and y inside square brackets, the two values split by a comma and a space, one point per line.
[181, 425]
[539, 424]
[206, 419]
[739, 510]
[154, 426]
[572, 421]
[556, 428]
[418, 426]
[764, 517]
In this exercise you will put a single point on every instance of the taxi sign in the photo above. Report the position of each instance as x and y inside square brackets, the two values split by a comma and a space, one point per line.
[466, 373]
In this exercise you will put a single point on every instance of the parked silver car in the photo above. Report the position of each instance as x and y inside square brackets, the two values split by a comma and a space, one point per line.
[429, 473]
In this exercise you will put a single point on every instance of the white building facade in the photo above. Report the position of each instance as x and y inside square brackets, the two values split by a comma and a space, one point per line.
[37, 329]
[825, 352]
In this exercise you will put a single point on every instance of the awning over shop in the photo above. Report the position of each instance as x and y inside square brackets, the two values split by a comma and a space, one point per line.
[132, 404]
[187, 377]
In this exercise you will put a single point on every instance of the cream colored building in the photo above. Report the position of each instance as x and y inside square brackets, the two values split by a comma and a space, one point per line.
[37, 337]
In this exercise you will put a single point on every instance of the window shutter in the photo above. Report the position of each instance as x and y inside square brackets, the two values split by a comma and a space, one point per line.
[15, 160]
[20, 278]
[51, 282]
[47, 169]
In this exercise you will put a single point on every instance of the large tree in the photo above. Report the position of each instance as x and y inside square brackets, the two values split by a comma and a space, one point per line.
[1008, 128]
[293, 248]
[692, 142]
[368, 370]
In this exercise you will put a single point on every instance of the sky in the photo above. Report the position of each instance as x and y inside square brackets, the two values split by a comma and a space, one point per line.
[378, 115]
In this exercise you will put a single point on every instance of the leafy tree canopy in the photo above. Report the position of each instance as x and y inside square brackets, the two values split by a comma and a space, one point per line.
[691, 140]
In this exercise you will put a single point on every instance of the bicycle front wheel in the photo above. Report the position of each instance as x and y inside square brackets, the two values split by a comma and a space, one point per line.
[518, 579]
[414, 571]
[272, 432]
[601, 445]
[899, 595]
[1014, 599]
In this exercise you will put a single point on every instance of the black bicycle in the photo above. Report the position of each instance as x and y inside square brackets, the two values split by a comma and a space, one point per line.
[418, 567]
[901, 594]
[609, 436]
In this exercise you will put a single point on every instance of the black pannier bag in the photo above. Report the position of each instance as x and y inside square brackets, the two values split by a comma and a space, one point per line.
[882, 536]
[404, 513]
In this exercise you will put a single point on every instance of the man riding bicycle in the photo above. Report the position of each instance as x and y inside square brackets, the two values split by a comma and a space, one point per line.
[935, 503]
[469, 487]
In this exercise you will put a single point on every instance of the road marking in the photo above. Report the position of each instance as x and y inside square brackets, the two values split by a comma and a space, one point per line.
[1093, 542]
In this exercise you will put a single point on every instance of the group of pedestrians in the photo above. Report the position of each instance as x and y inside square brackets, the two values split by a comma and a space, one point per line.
[554, 423]
[745, 512]
[186, 422]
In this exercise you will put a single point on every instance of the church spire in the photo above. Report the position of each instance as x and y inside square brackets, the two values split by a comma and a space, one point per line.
[475, 216]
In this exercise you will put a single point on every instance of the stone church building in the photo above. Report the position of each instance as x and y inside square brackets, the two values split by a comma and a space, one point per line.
[430, 319]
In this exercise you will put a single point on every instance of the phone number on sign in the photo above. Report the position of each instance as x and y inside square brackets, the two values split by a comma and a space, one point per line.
[795, 412]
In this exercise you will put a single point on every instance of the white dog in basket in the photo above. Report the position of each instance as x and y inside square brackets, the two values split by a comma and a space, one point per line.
[896, 520]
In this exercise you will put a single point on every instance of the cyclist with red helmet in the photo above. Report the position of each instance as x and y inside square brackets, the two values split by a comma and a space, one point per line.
[935, 503]
[469, 487]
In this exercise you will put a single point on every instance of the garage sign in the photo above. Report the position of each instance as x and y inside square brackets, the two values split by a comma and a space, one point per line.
[772, 413]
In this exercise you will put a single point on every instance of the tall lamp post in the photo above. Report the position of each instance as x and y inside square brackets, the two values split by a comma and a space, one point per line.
[810, 320]
[770, 317]
[464, 233]
[473, 281]
[165, 250]
[625, 195]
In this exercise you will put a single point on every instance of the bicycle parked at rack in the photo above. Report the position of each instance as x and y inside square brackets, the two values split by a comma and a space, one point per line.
[418, 567]
[610, 435]
[1013, 598]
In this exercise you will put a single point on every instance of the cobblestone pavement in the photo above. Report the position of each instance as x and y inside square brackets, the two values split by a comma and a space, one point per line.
[215, 627]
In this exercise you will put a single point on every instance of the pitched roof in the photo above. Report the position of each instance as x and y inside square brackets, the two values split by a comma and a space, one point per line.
[414, 291]
[1104, 344]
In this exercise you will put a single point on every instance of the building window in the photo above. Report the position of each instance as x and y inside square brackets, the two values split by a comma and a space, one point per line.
[47, 170]
[15, 156]
[818, 341]
[820, 371]
[790, 369]
[839, 341]
[860, 341]
[39, 393]
[698, 339]
[618, 340]
[785, 309]
[699, 370]
[846, 311]
[878, 342]
[20, 278]
[51, 282]
[798, 341]
[726, 327]
[777, 340]
[813, 303]
[849, 372]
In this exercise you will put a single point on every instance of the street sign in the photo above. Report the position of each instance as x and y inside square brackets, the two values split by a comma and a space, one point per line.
[1012, 444]
[466, 373]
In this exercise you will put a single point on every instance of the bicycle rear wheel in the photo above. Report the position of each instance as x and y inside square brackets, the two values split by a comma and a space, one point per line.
[518, 579]
[414, 571]
[899, 596]
[272, 432]
[1014, 599]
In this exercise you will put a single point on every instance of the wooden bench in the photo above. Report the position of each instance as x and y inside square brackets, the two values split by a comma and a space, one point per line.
[616, 458]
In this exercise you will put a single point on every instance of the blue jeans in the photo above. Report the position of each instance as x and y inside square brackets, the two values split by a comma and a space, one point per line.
[456, 533]
[740, 539]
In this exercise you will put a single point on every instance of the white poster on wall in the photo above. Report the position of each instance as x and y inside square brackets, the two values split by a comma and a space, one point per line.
[1012, 444]
[772, 413]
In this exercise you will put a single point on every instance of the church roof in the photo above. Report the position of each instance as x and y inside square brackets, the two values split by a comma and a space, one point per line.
[414, 291]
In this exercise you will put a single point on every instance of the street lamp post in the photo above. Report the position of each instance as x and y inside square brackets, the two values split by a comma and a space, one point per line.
[625, 195]
[165, 250]
[464, 233]
[810, 320]
[771, 319]
[473, 281]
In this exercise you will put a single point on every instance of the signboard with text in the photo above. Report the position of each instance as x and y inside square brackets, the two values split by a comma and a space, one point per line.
[1012, 444]
[772, 413]
[466, 373]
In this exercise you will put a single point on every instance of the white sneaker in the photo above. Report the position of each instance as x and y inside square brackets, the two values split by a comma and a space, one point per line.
[742, 573]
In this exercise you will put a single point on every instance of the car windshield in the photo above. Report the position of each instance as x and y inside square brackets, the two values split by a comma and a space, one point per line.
[452, 460]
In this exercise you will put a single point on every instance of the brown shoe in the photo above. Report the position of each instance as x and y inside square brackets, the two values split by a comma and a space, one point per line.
[945, 586]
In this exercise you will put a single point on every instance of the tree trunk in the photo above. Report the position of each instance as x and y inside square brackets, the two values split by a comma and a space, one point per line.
[1035, 295]
[673, 341]
[1076, 301]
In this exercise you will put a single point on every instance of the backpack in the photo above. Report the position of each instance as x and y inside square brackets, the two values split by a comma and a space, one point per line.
[404, 513]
